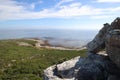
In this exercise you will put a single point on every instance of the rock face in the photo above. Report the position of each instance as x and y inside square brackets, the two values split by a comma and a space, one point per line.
[98, 43]
[113, 42]
[109, 38]
[95, 66]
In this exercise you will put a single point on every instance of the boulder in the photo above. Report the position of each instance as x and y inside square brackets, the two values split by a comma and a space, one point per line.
[113, 42]
[97, 67]
[113, 46]
[63, 71]
[108, 38]
[98, 43]
[93, 67]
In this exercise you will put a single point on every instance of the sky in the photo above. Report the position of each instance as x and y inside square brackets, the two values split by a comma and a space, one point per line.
[57, 14]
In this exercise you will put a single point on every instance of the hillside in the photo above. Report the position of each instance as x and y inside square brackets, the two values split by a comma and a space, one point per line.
[21, 60]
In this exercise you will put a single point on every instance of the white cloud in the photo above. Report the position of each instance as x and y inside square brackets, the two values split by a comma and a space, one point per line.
[102, 16]
[10, 9]
[61, 2]
[32, 5]
[108, 0]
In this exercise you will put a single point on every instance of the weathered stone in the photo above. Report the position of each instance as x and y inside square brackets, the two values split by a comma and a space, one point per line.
[66, 69]
[61, 71]
[109, 38]
[97, 67]
[113, 42]
[113, 77]
[98, 43]
[23, 44]
[93, 67]
[116, 24]
[113, 46]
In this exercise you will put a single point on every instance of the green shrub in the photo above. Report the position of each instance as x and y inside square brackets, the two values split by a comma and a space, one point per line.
[27, 63]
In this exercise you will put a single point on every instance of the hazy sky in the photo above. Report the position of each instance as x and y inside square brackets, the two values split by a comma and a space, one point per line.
[57, 14]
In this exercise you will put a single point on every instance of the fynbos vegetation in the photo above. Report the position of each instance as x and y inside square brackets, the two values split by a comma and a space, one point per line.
[18, 62]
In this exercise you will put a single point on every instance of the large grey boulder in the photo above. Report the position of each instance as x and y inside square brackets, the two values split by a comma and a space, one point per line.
[108, 38]
[63, 71]
[97, 67]
[93, 67]
[113, 46]
[113, 42]
[98, 43]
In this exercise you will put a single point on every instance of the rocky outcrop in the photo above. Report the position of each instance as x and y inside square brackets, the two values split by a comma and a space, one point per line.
[113, 46]
[23, 44]
[61, 71]
[108, 38]
[95, 66]
[98, 43]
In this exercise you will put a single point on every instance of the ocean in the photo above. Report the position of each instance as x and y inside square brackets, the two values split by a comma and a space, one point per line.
[67, 38]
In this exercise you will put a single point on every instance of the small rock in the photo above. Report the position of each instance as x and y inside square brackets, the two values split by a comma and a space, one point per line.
[24, 44]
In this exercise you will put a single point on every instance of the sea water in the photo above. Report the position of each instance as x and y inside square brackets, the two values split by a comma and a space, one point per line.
[71, 38]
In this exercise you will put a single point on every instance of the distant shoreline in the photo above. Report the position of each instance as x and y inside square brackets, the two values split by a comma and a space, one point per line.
[46, 44]
[41, 43]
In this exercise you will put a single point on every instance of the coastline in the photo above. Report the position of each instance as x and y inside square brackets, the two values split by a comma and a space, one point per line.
[44, 43]
[40, 43]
